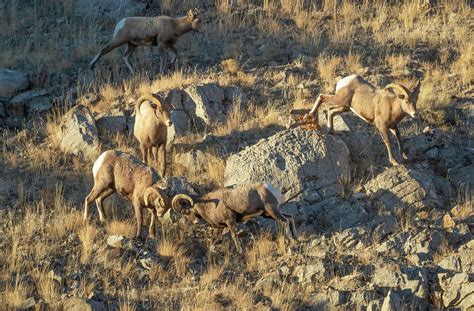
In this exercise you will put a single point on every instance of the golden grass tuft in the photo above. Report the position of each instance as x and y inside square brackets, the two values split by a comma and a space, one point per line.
[87, 236]
[125, 228]
[327, 68]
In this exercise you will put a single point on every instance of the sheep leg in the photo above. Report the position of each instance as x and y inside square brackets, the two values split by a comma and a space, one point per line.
[386, 139]
[292, 224]
[154, 151]
[126, 57]
[216, 237]
[162, 159]
[233, 232]
[175, 55]
[94, 194]
[402, 151]
[98, 203]
[152, 228]
[106, 49]
[334, 112]
[162, 59]
[276, 215]
[314, 111]
[138, 216]
[144, 151]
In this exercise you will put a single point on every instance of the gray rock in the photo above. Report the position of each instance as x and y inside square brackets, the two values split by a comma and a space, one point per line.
[194, 160]
[462, 177]
[351, 237]
[398, 186]
[78, 134]
[461, 261]
[112, 121]
[116, 241]
[2, 110]
[293, 160]
[306, 273]
[391, 302]
[12, 82]
[204, 103]
[76, 304]
[30, 103]
[181, 124]
[412, 282]
[97, 9]
[421, 246]
[457, 290]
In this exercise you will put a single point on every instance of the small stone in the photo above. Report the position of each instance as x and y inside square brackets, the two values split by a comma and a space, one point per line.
[448, 222]
[116, 241]
[391, 302]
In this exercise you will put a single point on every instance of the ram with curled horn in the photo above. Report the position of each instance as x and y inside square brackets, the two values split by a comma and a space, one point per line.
[152, 122]
[116, 171]
[384, 108]
[224, 208]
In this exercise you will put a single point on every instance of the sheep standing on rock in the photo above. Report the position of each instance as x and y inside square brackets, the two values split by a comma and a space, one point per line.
[161, 31]
[384, 108]
[152, 120]
[116, 171]
[224, 208]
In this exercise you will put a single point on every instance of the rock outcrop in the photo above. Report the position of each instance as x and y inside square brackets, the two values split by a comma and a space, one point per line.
[304, 164]
[78, 134]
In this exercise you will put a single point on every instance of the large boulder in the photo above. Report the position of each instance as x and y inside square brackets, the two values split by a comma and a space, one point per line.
[12, 82]
[205, 103]
[201, 105]
[78, 134]
[399, 186]
[96, 9]
[303, 164]
[457, 290]
[113, 121]
[29, 103]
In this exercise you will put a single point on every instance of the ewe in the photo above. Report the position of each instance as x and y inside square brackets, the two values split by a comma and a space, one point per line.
[161, 31]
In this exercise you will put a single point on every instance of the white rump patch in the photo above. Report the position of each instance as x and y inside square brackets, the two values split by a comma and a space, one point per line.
[98, 164]
[344, 81]
[119, 26]
[276, 193]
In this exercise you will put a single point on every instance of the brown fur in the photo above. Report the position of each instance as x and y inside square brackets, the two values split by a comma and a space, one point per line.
[383, 108]
[151, 129]
[162, 31]
[224, 208]
[123, 173]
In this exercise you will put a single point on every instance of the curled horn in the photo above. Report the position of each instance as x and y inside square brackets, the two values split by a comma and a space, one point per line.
[399, 89]
[152, 190]
[416, 91]
[177, 205]
[151, 98]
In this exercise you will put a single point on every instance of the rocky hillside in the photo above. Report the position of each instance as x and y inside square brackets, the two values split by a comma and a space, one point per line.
[371, 236]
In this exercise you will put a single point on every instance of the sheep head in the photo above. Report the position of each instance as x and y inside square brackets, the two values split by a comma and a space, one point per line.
[178, 205]
[163, 113]
[407, 98]
[157, 198]
[196, 21]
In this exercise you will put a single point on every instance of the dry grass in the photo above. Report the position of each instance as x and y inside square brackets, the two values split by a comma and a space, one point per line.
[327, 68]
[125, 228]
[87, 235]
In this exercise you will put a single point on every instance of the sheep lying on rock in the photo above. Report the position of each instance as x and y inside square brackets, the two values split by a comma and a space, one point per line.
[384, 108]
[161, 31]
[116, 171]
[224, 208]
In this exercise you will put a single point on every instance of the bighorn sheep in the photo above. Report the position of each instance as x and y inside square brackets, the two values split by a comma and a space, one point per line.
[224, 208]
[116, 171]
[384, 108]
[161, 31]
[151, 129]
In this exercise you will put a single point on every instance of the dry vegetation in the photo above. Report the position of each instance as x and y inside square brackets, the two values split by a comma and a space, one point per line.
[42, 189]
